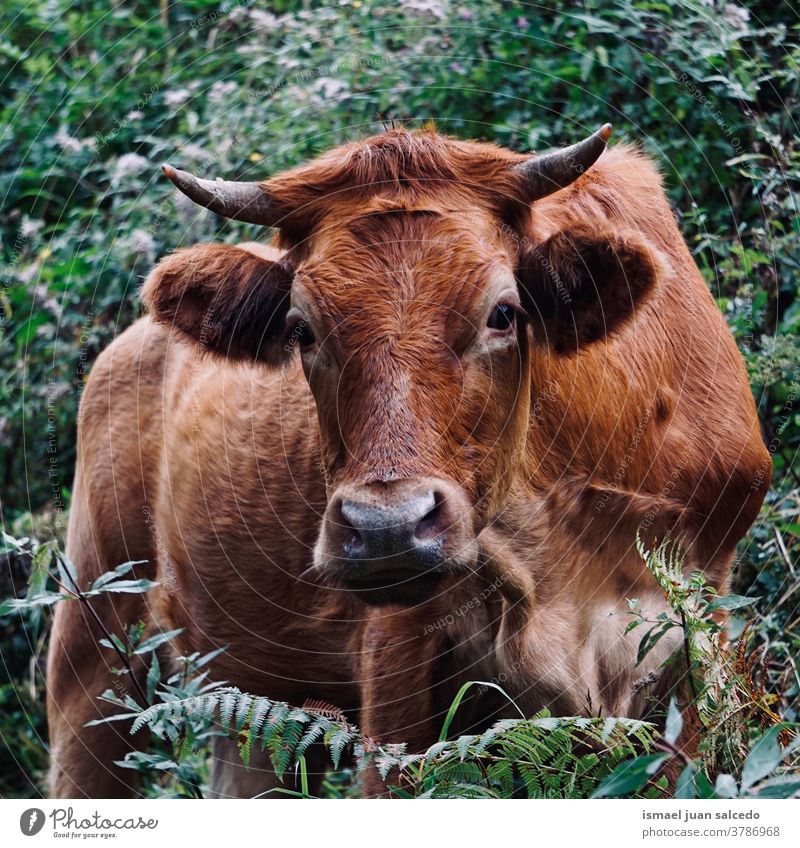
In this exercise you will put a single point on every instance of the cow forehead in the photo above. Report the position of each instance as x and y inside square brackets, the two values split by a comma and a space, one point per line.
[393, 259]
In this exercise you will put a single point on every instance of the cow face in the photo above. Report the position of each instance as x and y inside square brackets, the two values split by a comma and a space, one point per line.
[413, 340]
[415, 316]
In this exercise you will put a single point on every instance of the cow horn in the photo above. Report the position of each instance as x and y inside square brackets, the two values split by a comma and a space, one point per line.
[241, 201]
[553, 171]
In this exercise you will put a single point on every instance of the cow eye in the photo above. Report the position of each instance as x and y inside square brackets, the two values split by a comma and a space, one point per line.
[502, 317]
[305, 337]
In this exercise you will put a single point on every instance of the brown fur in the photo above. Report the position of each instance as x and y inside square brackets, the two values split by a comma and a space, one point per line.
[624, 406]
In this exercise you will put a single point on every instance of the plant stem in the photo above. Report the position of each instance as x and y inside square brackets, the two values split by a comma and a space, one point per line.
[669, 748]
[124, 659]
[688, 657]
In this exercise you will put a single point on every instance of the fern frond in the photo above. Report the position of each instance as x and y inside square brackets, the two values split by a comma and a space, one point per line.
[547, 756]
[244, 704]
[314, 733]
[323, 709]
[227, 706]
[337, 742]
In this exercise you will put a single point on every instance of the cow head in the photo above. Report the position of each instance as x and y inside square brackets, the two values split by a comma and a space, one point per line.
[415, 292]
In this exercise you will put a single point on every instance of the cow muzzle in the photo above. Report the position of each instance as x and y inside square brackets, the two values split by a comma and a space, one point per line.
[392, 543]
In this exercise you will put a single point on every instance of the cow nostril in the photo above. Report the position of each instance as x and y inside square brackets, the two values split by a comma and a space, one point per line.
[434, 522]
[350, 537]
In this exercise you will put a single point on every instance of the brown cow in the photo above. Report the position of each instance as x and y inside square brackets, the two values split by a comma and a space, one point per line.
[432, 420]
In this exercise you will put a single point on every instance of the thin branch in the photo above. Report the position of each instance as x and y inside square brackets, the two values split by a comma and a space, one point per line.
[124, 659]
[687, 656]
[669, 748]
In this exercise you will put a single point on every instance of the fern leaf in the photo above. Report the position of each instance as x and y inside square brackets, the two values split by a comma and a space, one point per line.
[385, 761]
[258, 716]
[337, 743]
[275, 723]
[325, 710]
[462, 790]
[283, 747]
[436, 750]
[243, 710]
[227, 705]
[463, 744]
[501, 774]
[313, 733]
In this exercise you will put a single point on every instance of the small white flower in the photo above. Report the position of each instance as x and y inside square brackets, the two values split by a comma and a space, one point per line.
[432, 7]
[68, 142]
[30, 227]
[194, 151]
[177, 97]
[141, 242]
[329, 87]
[222, 91]
[51, 305]
[130, 163]
[56, 390]
[28, 273]
[263, 21]
[736, 16]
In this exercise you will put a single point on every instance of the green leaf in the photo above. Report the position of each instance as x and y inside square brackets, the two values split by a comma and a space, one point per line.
[459, 697]
[725, 787]
[764, 758]
[649, 641]
[132, 587]
[116, 717]
[674, 723]
[67, 573]
[114, 643]
[114, 574]
[462, 745]
[630, 776]
[779, 787]
[209, 657]
[243, 709]
[153, 676]
[22, 604]
[39, 571]
[685, 786]
[339, 741]
[157, 640]
[227, 705]
[704, 789]
[730, 602]
[747, 157]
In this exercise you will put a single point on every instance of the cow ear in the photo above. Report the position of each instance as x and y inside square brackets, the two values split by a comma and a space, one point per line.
[578, 286]
[227, 300]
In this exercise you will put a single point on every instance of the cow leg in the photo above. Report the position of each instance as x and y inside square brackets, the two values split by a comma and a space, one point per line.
[78, 671]
[400, 698]
[230, 778]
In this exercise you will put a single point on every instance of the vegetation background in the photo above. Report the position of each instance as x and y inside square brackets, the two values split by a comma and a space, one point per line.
[95, 95]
